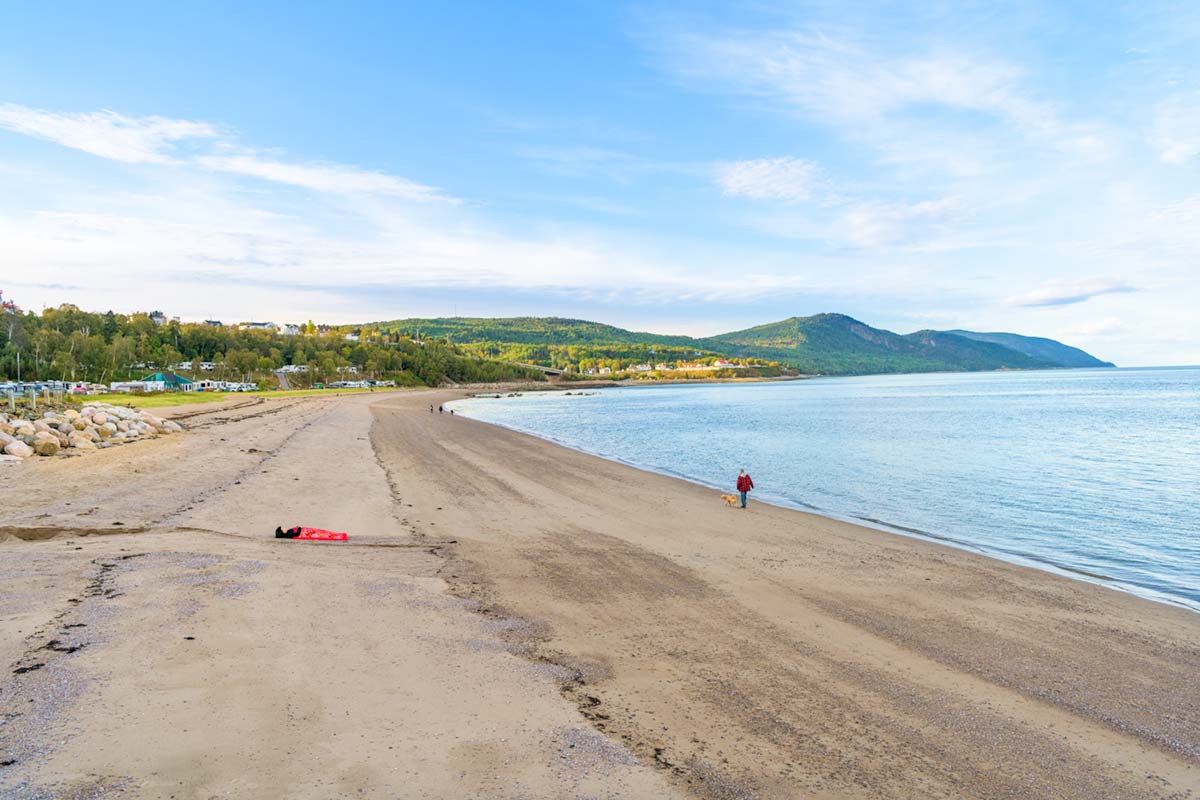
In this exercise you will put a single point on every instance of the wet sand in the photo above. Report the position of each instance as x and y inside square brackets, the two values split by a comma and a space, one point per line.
[514, 619]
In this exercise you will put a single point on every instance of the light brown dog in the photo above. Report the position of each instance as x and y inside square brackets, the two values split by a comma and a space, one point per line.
[731, 500]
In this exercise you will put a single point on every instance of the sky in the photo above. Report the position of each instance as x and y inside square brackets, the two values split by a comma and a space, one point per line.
[670, 167]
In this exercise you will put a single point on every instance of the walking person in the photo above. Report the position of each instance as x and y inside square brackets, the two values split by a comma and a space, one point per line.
[440, 410]
[744, 485]
[431, 408]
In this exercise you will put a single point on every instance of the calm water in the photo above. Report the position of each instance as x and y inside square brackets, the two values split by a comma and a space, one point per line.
[1096, 472]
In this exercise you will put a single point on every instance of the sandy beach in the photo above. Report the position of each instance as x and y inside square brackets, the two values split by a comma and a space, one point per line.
[512, 619]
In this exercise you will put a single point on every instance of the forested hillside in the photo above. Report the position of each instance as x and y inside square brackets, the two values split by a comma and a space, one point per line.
[1038, 347]
[835, 344]
[823, 344]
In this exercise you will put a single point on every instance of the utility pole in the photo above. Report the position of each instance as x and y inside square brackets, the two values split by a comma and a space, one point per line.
[18, 366]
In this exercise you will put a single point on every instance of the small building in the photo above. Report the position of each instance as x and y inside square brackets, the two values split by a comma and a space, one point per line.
[169, 381]
[290, 330]
[351, 337]
[158, 318]
[259, 326]
[214, 323]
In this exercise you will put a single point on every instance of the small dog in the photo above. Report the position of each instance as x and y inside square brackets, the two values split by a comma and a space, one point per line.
[731, 500]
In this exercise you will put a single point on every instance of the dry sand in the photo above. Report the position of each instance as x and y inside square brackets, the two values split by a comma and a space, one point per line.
[515, 620]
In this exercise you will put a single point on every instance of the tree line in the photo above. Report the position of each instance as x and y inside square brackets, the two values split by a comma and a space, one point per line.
[67, 343]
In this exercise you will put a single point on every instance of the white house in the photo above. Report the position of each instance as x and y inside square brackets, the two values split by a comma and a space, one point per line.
[290, 330]
[259, 326]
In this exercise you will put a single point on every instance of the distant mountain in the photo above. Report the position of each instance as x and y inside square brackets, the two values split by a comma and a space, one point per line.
[823, 344]
[1045, 349]
[835, 344]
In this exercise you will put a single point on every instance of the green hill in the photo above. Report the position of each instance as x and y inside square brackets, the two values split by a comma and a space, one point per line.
[1045, 349]
[835, 344]
[823, 344]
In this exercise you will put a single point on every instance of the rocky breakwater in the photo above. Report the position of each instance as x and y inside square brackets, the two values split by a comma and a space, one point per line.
[59, 431]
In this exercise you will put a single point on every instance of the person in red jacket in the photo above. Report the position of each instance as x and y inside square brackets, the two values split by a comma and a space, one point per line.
[744, 485]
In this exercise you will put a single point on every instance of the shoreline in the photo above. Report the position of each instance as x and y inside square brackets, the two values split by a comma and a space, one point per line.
[513, 618]
[1025, 560]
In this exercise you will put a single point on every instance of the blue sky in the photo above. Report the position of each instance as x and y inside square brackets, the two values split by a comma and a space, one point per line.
[667, 167]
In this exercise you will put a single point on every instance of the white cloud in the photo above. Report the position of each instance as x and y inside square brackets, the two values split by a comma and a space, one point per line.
[155, 140]
[1176, 132]
[876, 224]
[337, 178]
[769, 178]
[1069, 293]
[828, 77]
[138, 140]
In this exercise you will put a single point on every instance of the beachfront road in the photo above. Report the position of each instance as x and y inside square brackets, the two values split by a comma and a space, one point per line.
[512, 619]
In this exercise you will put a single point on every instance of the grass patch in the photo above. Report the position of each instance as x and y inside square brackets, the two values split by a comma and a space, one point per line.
[171, 399]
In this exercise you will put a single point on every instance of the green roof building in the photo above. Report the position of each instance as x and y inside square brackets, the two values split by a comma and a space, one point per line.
[172, 381]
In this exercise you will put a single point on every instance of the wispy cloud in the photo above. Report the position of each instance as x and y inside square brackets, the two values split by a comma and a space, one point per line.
[830, 77]
[160, 140]
[1176, 132]
[137, 140]
[769, 178]
[1065, 294]
[336, 178]
[870, 224]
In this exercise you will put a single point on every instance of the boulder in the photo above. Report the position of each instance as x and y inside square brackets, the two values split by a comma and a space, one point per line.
[99, 418]
[81, 442]
[65, 427]
[50, 415]
[19, 449]
[122, 426]
[106, 430]
[172, 426]
[79, 423]
[5, 439]
[71, 414]
[91, 433]
[6, 428]
[46, 447]
[41, 425]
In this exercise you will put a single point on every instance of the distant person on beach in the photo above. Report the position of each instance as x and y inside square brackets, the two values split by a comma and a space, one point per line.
[440, 410]
[431, 408]
[744, 485]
